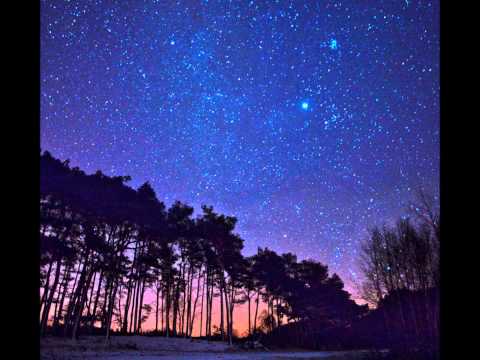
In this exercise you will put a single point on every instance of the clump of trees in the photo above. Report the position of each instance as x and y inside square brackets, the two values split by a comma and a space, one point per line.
[400, 264]
[401, 279]
[105, 245]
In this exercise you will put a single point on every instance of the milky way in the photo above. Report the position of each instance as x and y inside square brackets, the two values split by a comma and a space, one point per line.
[308, 120]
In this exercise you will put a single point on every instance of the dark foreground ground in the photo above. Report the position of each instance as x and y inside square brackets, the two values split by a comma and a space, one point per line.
[160, 348]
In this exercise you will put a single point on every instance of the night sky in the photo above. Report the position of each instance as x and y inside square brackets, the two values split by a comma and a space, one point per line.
[308, 120]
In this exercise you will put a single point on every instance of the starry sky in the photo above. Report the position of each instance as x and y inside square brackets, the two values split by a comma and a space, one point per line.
[308, 120]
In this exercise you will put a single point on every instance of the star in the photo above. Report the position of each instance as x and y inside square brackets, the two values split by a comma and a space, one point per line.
[333, 44]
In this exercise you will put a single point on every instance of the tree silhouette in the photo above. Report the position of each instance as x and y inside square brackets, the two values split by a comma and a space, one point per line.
[401, 270]
[105, 245]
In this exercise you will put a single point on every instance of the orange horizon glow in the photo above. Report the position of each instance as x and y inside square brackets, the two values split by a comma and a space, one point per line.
[240, 314]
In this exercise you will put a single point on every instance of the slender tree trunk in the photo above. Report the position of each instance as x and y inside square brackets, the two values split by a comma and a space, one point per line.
[71, 300]
[256, 313]
[90, 298]
[119, 305]
[211, 308]
[104, 313]
[249, 316]
[133, 314]
[129, 291]
[201, 310]
[278, 316]
[156, 309]
[127, 307]
[189, 307]
[65, 282]
[161, 310]
[232, 307]
[45, 289]
[56, 308]
[132, 310]
[95, 303]
[175, 306]
[227, 310]
[185, 293]
[81, 303]
[46, 308]
[56, 301]
[141, 307]
[77, 291]
[176, 300]
[222, 332]
[110, 311]
[167, 307]
[272, 324]
[195, 304]
[209, 304]
[206, 306]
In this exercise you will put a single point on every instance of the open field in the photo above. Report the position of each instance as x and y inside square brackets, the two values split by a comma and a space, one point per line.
[160, 348]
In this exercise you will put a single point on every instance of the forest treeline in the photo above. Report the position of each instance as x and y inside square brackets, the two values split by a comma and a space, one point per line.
[400, 267]
[104, 245]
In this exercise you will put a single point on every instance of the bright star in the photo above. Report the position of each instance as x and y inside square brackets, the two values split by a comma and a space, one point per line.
[333, 44]
[305, 105]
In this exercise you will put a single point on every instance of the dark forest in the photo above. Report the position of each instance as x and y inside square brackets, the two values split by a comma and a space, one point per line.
[104, 244]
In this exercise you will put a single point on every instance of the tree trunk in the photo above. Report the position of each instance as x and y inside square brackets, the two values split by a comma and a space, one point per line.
[104, 313]
[156, 310]
[227, 309]
[210, 306]
[278, 316]
[129, 291]
[133, 315]
[167, 307]
[90, 298]
[189, 307]
[201, 310]
[73, 301]
[256, 313]
[119, 305]
[65, 282]
[80, 306]
[195, 304]
[161, 310]
[127, 307]
[222, 334]
[46, 308]
[95, 303]
[45, 290]
[249, 316]
[232, 307]
[206, 306]
[110, 312]
[142, 293]
[185, 291]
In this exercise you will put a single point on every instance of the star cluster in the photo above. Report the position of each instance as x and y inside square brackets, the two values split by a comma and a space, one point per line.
[308, 120]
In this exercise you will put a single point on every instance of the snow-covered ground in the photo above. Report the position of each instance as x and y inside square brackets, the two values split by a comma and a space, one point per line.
[160, 348]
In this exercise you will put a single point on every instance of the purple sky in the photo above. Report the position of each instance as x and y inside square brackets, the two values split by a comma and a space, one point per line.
[308, 120]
